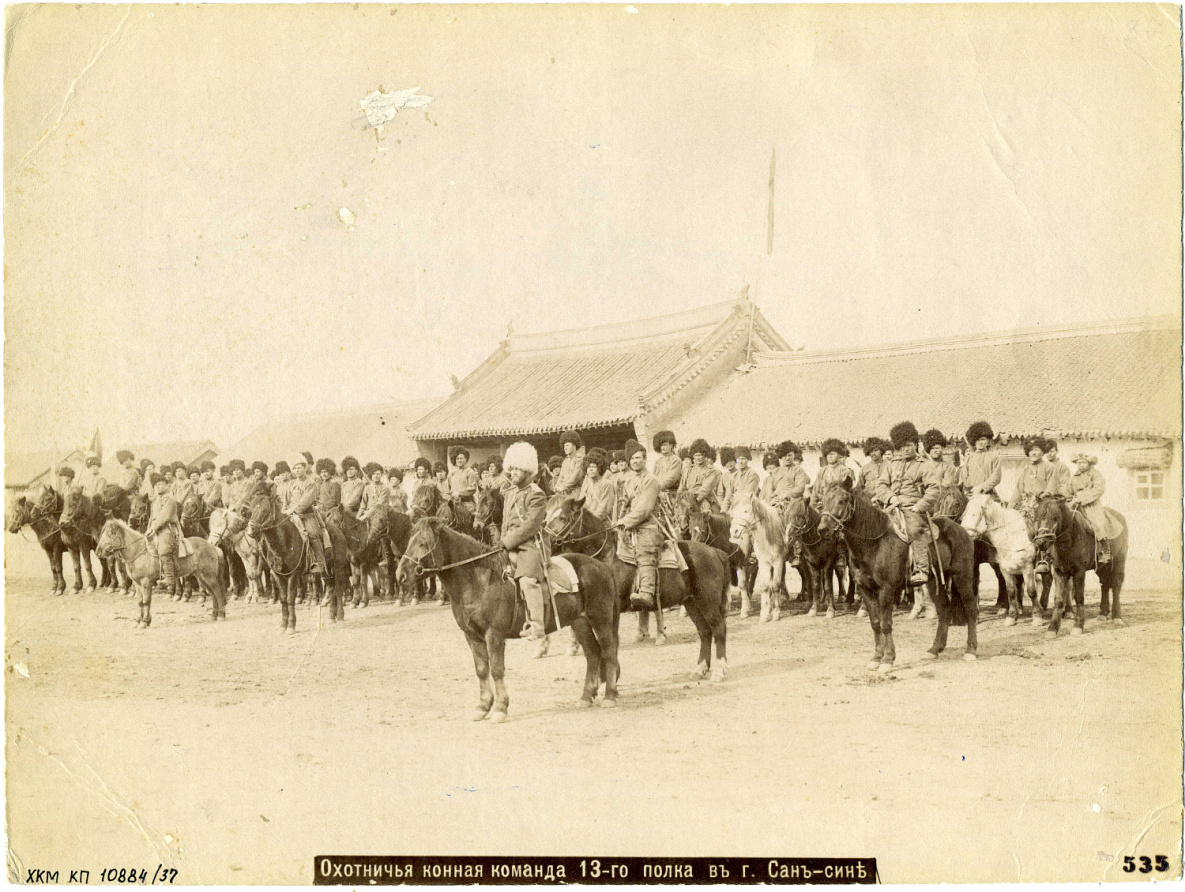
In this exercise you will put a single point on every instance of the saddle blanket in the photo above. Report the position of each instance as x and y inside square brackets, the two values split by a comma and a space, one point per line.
[562, 575]
[904, 524]
[670, 558]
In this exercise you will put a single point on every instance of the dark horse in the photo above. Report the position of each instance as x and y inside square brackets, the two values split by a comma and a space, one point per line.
[702, 589]
[42, 516]
[138, 512]
[488, 611]
[882, 567]
[82, 522]
[428, 502]
[288, 557]
[487, 518]
[1071, 541]
[823, 554]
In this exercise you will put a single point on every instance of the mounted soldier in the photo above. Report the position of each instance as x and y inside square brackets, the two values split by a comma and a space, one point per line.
[1057, 483]
[597, 491]
[870, 472]
[147, 469]
[1030, 484]
[353, 486]
[725, 489]
[982, 470]
[769, 463]
[377, 495]
[498, 479]
[164, 532]
[938, 472]
[637, 520]
[462, 481]
[232, 493]
[92, 482]
[833, 473]
[523, 513]
[668, 467]
[329, 496]
[790, 480]
[423, 472]
[746, 483]
[572, 469]
[257, 484]
[179, 487]
[129, 480]
[209, 488]
[1088, 487]
[302, 509]
[903, 485]
[702, 480]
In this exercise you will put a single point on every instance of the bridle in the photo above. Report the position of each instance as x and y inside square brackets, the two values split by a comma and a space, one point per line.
[842, 522]
[424, 570]
[576, 525]
[277, 565]
[143, 540]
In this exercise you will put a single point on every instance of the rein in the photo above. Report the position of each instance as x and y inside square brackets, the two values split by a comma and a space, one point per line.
[421, 570]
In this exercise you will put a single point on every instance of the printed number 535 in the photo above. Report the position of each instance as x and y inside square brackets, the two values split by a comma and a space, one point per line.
[1145, 864]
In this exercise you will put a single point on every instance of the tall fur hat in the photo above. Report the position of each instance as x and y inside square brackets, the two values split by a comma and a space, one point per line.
[596, 456]
[145, 462]
[282, 467]
[156, 478]
[1031, 443]
[238, 463]
[663, 437]
[421, 462]
[902, 433]
[193, 469]
[684, 453]
[208, 465]
[619, 455]
[350, 462]
[92, 459]
[743, 452]
[1049, 443]
[66, 471]
[727, 454]
[769, 458]
[326, 464]
[495, 462]
[371, 467]
[933, 437]
[978, 431]
[396, 472]
[308, 458]
[439, 467]
[124, 455]
[700, 445]
[788, 447]
[262, 466]
[521, 456]
[573, 438]
[633, 446]
[872, 444]
[555, 462]
[224, 471]
[832, 444]
[455, 452]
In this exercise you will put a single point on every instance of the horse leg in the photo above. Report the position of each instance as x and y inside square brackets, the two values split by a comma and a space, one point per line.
[496, 645]
[829, 570]
[85, 551]
[1060, 585]
[607, 641]
[809, 572]
[942, 606]
[284, 607]
[582, 633]
[704, 664]
[875, 606]
[1014, 599]
[481, 665]
[146, 603]
[574, 643]
[660, 625]
[1079, 580]
[890, 655]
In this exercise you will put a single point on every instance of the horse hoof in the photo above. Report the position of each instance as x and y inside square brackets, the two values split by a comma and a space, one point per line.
[861, 613]
[660, 640]
[873, 665]
[497, 717]
[1038, 622]
[583, 704]
[831, 614]
[970, 657]
[719, 671]
[699, 672]
[1051, 634]
[884, 668]
[90, 589]
[609, 704]
[775, 616]
[640, 636]
[812, 612]
[1010, 620]
[764, 618]
[929, 655]
[1119, 621]
[1001, 611]
[1076, 630]
[478, 715]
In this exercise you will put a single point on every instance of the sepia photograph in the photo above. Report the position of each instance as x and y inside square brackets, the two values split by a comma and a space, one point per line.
[514, 443]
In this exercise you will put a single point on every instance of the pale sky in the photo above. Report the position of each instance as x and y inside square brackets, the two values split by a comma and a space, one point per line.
[175, 266]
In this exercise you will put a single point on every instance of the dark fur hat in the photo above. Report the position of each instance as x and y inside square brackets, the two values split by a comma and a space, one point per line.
[1031, 442]
[455, 451]
[596, 456]
[573, 438]
[977, 431]
[145, 462]
[156, 478]
[699, 444]
[727, 454]
[1049, 443]
[395, 472]
[326, 464]
[237, 463]
[933, 437]
[194, 469]
[124, 455]
[224, 471]
[495, 462]
[660, 438]
[556, 461]
[632, 446]
[208, 465]
[769, 458]
[350, 462]
[67, 471]
[422, 462]
[788, 447]
[873, 444]
[178, 465]
[308, 458]
[371, 467]
[438, 466]
[744, 452]
[282, 467]
[684, 452]
[832, 444]
[619, 454]
[902, 433]
[261, 466]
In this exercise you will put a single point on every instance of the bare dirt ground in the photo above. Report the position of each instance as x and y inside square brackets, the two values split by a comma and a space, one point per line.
[236, 755]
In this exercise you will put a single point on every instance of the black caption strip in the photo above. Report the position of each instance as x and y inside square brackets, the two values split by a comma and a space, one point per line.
[383, 870]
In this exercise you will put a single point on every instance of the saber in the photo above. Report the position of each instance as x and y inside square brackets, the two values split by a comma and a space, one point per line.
[937, 553]
[543, 553]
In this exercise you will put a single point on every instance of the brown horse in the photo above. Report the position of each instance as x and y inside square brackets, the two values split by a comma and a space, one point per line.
[702, 589]
[488, 611]
[41, 516]
[228, 530]
[82, 521]
[427, 501]
[882, 567]
[823, 555]
[1071, 541]
[487, 518]
[204, 562]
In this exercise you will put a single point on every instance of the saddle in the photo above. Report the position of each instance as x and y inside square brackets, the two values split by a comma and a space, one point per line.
[900, 523]
[670, 558]
[561, 577]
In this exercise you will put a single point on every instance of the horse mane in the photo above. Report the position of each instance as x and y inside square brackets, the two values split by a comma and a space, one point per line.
[468, 546]
[866, 517]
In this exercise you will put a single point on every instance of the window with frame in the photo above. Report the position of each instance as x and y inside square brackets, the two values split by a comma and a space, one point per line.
[1149, 485]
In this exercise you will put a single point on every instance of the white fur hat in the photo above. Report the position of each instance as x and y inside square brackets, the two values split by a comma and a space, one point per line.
[522, 456]
[296, 459]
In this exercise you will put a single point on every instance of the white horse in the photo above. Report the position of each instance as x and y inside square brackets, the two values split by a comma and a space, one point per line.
[225, 524]
[1005, 529]
[758, 528]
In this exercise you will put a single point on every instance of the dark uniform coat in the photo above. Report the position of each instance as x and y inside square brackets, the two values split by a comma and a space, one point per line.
[523, 513]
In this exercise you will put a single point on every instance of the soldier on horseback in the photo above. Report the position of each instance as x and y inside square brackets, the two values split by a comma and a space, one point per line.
[981, 468]
[523, 513]
[1057, 483]
[209, 488]
[497, 478]
[597, 490]
[572, 469]
[938, 472]
[833, 473]
[870, 472]
[302, 509]
[92, 481]
[353, 486]
[462, 481]
[377, 495]
[129, 480]
[668, 467]
[903, 485]
[329, 496]
[232, 493]
[725, 489]
[164, 532]
[637, 518]
[745, 481]
[1088, 487]
[702, 480]
[790, 480]
[398, 498]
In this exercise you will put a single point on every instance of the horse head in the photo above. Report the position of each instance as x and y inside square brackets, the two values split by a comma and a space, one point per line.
[74, 507]
[975, 519]
[423, 553]
[798, 519]
[263, 514]
[837, 506]
[740, 530]
[488, 509]
[1049, 520]
[219, 525]
[138, 513]
[681, 506]
[699, 527]
[20, 515]
[952, 503]
[564, 518]
[425, 502]
[110, 539]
